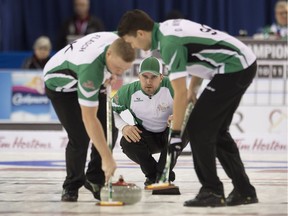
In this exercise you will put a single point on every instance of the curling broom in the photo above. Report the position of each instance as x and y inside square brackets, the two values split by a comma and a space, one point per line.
[164, 187]
[110, 201]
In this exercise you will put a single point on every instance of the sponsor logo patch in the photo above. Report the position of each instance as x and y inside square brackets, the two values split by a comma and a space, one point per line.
[138, 99]
[89, 85]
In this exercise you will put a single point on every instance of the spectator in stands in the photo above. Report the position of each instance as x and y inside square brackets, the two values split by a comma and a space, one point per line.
[41, 54]
[82, 23]
[278, 29]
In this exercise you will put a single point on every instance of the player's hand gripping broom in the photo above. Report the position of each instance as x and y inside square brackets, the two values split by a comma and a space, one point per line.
[164, 186]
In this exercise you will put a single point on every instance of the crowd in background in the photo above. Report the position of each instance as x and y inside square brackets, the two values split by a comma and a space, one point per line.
[83, 22]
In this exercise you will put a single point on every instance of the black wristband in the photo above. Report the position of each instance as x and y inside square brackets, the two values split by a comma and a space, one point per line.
[175, 133]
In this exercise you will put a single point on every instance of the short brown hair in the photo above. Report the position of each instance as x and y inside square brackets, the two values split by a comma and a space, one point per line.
[123, 50]
[134, 20]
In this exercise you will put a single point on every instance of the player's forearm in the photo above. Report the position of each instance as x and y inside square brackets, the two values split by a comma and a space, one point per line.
[96, 134]
[119, 122]
[180, 102]
[195, 84]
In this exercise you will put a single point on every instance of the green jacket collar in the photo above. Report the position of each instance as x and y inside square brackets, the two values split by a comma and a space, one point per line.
[103, 57]
[155, 37]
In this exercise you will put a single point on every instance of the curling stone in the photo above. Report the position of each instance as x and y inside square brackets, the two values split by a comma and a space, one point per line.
[128, 193]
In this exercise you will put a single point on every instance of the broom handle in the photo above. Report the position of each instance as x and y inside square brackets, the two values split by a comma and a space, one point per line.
[109, 132]
[166, 171]
[188, 111]
[165, 175]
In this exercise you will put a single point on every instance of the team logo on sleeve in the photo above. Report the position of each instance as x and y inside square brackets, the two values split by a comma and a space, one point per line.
[89, 85]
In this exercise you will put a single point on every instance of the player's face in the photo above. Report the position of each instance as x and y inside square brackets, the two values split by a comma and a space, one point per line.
[281, 14]
[117, 65]
[150, 82]
[141, 41]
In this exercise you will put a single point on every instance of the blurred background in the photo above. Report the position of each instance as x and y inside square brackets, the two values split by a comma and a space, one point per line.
[22, 21]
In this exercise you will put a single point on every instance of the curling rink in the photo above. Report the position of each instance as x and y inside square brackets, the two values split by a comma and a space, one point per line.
[32, 168]
[31, 184]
